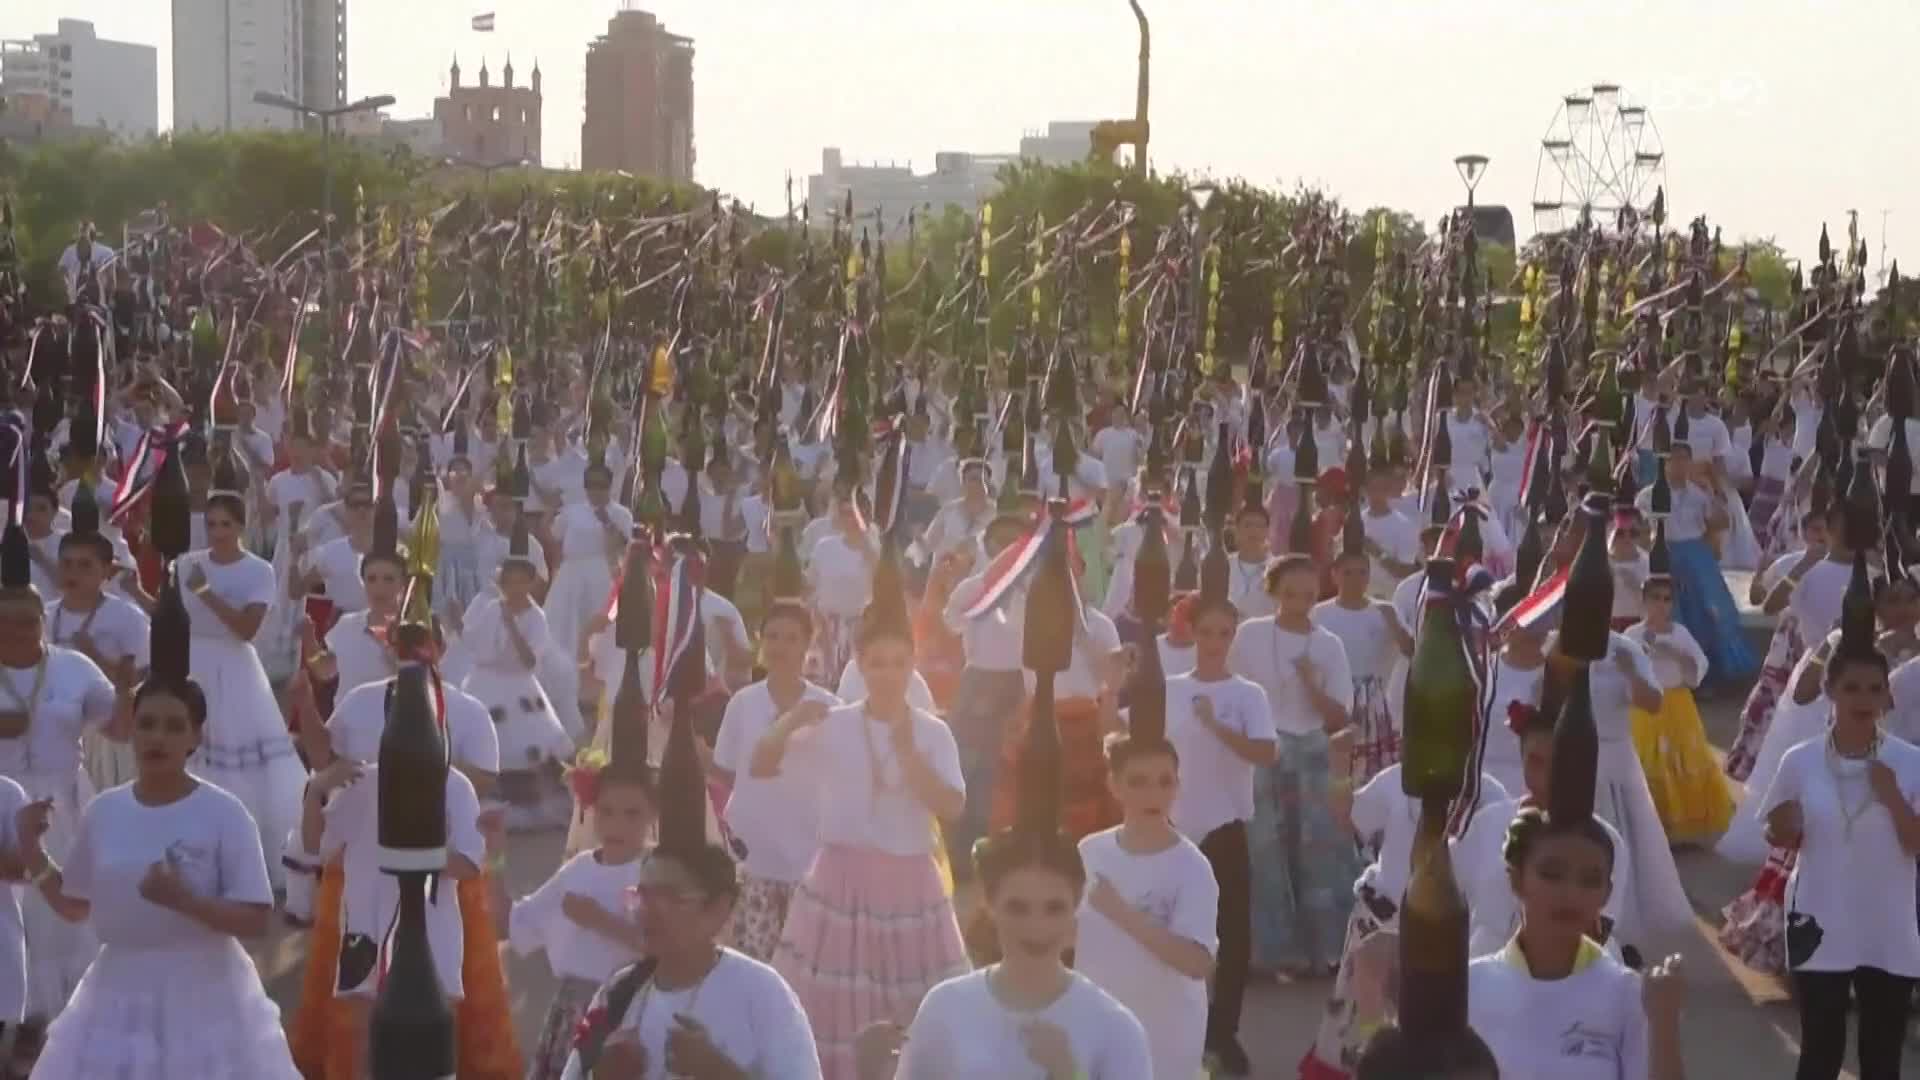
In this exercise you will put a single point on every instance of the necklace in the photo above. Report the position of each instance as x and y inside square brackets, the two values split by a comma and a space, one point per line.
[875, 765]
[693, 998]
[1842, 768]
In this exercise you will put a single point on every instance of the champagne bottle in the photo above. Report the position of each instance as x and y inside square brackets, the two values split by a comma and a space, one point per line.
[411, 1031]
[1433, 936]
[1576, 742]
[1440, 701]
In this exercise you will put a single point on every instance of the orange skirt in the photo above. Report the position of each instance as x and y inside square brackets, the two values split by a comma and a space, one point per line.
[1086, 806]
[322, 1032]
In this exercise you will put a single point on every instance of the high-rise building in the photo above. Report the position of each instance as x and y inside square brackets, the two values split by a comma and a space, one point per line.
[639, 108]
[74, 76]
[487, 124]
[958, 178]
[224, 51]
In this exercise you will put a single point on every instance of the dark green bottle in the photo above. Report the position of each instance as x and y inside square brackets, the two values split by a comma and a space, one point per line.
[1440, 701]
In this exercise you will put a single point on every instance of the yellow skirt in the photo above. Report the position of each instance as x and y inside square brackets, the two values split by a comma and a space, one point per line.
[322, 1031]
[1688, 788]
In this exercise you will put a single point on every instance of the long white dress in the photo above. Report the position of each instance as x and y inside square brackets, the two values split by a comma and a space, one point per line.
[167, 998]
[584, 581]
[72, 697]
[245, 748]
[530, 732]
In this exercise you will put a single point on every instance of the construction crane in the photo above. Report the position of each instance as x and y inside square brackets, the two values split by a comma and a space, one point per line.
[1109, 136]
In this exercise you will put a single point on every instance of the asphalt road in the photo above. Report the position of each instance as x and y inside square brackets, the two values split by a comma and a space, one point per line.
[1737, 1024]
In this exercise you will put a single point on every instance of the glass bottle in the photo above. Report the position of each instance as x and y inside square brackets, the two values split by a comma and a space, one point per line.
[1440, 702]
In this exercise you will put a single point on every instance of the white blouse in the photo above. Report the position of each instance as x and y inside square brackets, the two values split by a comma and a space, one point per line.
[848, 761]
[1590, 1025]
[962, 1032]
[1370, 645]
[242, 583]
[584, 536]
[537, 922]
[1667, 672]
[841, 577]
[1265, 652]
[74, 696]
[488, 639]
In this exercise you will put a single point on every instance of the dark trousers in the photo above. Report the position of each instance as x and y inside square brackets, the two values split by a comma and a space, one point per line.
[1882, 1000]
[1226, 850]
[723, 568]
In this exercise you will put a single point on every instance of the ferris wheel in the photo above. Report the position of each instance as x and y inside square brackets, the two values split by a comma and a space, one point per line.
[1602, 153]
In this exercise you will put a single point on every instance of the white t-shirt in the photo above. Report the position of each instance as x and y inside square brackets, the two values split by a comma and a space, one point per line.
[1708, 437]
[1629, 581]
[118, 629]
[1850, 901]
[746, 1008]
[537, 922]
[360, 718]
[311, 490]
[991, 642]
[490, 549]
[1688, 518]
[1265, 652]
[1216, 785]
[1175, 887]
[962, 1032]
[360, 657]
[848, 760]
[853, 686]
[1363, 632]
[840, 576]
[371, 897]
[1118, 449]
[1590, 1025]
[1399, 536]
[1815, 602]
[1386, 817]
[1666, 670]
[74, 697]
[1092, 647]
[776, 817]
[338, 564]
[100, 259]
[208, 838]
[1247, 585]
[1472, 446]
[13, 934]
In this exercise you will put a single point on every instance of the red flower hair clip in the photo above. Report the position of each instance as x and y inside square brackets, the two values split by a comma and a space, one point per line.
[1520, 716]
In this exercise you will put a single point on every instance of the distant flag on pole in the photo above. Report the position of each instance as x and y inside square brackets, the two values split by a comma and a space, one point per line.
[483, 23]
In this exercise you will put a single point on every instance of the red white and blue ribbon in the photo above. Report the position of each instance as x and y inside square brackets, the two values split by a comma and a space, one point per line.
[1015, 565]
[1540, 607]
[677, 588]
[149, 456]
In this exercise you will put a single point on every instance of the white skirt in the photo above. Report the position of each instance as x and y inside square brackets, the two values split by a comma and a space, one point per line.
[189, 1013]
[1658, 910]
[246, 748]
[530, 732]
[580, 591]
[58, 951]
[1745, 840]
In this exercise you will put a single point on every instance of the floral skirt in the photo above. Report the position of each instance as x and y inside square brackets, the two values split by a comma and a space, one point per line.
[1376, 744]
[1087, 805]
[1755, 927]
[1689, 791]
[760, 915]
[1755, 716]
[867, 935]
[1304, 862]
[571, 997]
[1336, 1048]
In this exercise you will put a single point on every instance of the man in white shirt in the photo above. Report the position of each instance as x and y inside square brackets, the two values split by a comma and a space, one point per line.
[1118, 446]
[99, 262]
[1392, 538]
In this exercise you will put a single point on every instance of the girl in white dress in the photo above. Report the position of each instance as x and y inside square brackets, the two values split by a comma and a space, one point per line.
[168, 869]
[457, 580]
[246, 748]
[506, 636]
[593, 536]
[107, 629]
[1375, 641]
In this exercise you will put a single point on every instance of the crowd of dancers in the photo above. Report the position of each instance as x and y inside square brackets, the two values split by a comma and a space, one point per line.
[900, 727]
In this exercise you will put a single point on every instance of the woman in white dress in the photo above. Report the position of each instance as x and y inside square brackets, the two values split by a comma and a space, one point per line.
[246, 748]
[506, 635]
[593, 537]
[168, 870]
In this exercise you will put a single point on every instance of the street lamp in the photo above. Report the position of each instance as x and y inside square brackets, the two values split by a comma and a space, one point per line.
[1470, 166]
[326, 117]
[487, 169]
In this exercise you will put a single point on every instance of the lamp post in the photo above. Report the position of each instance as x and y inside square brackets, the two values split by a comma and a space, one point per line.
[326, 117]
[487, 169]
[1470, 167]
[1202, 194]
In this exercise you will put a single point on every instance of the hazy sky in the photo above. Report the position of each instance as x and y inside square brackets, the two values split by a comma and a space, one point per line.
[1774, 114]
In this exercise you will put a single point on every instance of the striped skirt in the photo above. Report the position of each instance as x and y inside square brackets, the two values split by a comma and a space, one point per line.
[570, 1001]
[760, 915]
[867, 935]
[1755, 930]
[1376, 743]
